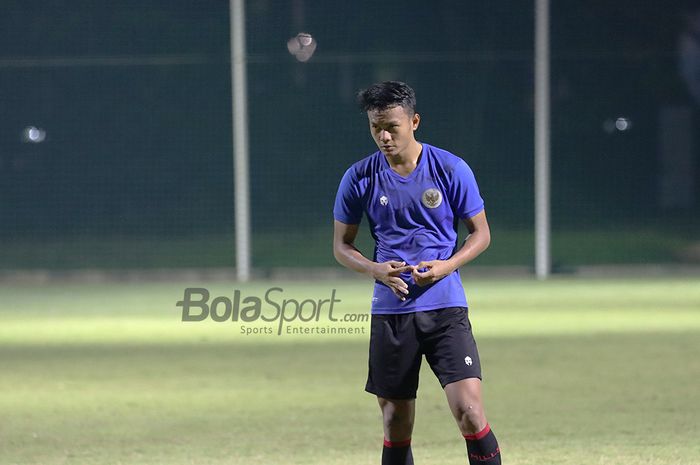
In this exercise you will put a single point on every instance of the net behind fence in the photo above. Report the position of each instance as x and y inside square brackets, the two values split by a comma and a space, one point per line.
[116, 147]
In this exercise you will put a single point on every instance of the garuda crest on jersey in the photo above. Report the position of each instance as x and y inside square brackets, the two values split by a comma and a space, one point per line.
[431, 198]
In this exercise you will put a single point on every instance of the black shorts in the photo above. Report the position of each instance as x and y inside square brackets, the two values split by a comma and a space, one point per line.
[398, 343]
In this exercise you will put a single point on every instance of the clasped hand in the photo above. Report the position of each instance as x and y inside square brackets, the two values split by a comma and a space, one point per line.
[424, 273]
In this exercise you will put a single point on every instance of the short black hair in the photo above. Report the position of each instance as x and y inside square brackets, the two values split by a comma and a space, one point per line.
[387, 94]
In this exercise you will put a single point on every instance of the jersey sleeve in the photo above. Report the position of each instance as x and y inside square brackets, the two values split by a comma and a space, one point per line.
[464, 192]
[348, 208]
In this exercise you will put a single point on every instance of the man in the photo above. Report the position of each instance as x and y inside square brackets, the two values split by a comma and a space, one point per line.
[414, 195]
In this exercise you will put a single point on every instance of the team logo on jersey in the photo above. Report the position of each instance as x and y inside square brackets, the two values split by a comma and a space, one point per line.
[468, 360]
[431, 198]
[384, 200]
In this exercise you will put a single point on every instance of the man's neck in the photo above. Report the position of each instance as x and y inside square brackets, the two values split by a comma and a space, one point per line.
[405, 162]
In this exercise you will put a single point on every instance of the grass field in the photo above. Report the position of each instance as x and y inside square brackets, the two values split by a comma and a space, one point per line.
[576, 372]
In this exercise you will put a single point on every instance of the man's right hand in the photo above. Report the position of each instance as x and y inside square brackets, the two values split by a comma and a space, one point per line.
[389, 274]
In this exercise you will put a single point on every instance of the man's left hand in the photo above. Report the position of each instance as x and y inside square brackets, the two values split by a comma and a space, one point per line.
[433, 270]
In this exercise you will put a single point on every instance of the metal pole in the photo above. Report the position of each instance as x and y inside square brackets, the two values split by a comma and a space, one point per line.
[240, 139]
[543, 261]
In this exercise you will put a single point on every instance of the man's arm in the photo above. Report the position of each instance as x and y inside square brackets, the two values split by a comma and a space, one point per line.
[478, 240]
[347, 255]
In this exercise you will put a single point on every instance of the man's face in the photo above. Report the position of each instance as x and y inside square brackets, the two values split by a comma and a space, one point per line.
[392, 129]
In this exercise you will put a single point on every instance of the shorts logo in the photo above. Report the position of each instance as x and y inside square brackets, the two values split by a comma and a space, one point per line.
[468, 360]
[383, 200]
[431, 198]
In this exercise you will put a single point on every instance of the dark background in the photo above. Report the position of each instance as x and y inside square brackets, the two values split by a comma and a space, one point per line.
[135, 99]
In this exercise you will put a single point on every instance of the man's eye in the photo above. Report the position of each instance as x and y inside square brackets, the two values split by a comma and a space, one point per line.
[390, 128]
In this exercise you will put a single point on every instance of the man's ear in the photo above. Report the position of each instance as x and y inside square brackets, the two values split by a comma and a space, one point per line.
[415, 121]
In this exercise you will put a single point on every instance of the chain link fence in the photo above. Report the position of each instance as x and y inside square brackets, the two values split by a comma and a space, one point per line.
[115, 134]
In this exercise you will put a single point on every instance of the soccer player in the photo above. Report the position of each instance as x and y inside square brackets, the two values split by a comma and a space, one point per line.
[414, 196]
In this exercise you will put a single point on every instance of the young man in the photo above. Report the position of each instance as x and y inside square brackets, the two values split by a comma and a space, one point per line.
[414, 195]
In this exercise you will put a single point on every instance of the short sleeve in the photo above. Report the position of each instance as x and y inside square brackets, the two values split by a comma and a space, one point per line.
[348, 208]
[464, 193]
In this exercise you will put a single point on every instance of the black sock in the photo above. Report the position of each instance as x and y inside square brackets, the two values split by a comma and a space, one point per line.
[482, 448]
[397, 453]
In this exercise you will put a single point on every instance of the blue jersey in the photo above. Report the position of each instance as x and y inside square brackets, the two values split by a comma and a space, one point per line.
[412, 219]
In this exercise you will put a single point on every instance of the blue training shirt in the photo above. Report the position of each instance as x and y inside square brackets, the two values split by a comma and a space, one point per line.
[412, 219]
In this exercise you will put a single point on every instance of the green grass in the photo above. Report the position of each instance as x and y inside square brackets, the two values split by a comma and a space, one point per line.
[576, 372]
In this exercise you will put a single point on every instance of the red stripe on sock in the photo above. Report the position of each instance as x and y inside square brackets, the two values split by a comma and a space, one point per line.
[479, 435]
[405, 443]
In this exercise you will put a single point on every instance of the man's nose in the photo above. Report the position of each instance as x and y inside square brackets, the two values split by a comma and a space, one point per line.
[384, 135]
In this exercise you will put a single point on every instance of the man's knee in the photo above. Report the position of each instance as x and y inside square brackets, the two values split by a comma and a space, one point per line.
[464, 398]
[398, 416]
[470, 416]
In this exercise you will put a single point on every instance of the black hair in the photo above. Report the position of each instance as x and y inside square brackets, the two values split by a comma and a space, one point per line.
[387, 94]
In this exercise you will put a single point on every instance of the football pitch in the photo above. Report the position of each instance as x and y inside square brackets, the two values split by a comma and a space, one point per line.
[577, 371]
